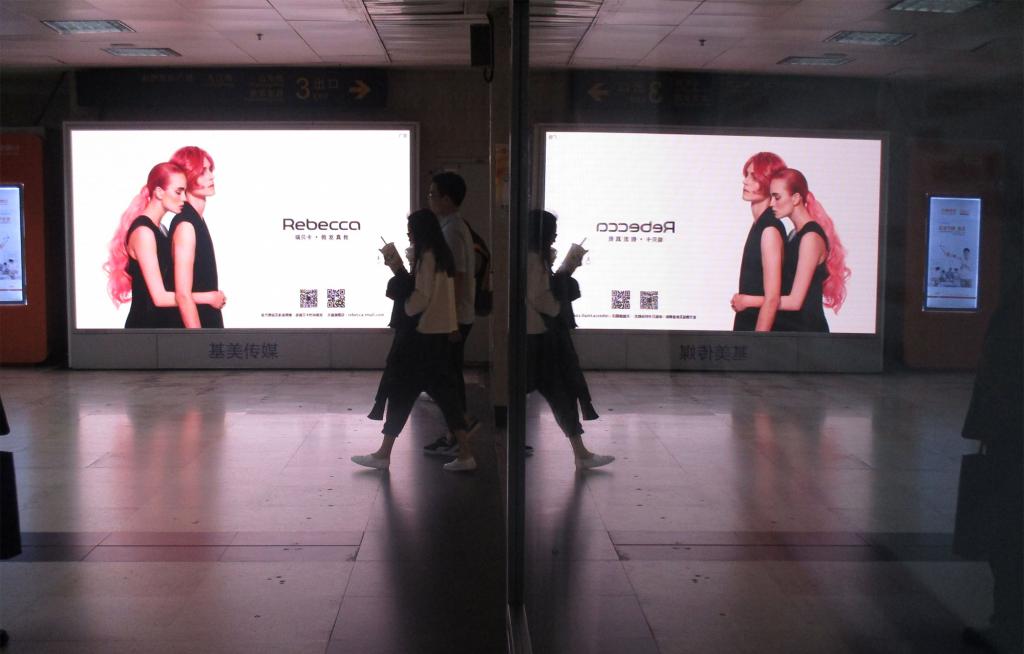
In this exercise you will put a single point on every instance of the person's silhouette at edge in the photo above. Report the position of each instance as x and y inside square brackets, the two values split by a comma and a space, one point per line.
[994, 418]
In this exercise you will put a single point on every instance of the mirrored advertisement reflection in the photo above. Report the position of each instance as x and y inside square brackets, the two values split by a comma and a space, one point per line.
[700, 231]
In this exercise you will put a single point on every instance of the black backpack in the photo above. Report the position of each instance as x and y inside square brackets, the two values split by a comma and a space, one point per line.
[483, 303]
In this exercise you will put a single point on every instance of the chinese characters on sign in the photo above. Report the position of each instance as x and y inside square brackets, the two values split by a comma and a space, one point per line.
[713, 352]
[222, 350]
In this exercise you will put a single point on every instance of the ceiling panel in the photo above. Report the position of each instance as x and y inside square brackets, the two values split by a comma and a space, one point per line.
[627, 42]
[759, 9]
[646, 12]
[739, 35]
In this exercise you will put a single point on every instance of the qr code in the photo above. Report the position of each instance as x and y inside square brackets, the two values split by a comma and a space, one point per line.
[648, 299]
[308, 298]
[335, 298]
[620, 299]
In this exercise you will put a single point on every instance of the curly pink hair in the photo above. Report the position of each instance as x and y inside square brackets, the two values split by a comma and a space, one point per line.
[190, 159]
[834, 288]
[764, 165]
[119, 284]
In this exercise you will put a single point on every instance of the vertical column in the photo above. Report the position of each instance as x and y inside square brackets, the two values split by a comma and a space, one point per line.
[518, 207]
[500, 101]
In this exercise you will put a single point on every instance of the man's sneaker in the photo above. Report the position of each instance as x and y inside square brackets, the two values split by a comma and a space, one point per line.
[442, 447]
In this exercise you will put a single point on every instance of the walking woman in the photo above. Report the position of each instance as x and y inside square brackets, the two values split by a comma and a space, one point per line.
[420, 364]
[140, 265]
[814, 271]
[546, 369]
[195, 263]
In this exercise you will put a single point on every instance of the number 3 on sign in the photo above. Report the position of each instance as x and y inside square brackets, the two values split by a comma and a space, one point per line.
[303, 92]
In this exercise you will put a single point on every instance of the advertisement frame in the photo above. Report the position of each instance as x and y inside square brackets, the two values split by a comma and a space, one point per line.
[646, 349]
[330, 347]
[24, 237]
[928, 247]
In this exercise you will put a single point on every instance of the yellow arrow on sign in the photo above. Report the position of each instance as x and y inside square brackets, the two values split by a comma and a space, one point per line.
[360, 89]
[598, 92]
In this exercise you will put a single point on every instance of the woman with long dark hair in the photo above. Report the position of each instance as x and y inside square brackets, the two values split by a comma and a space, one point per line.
[551, 368]
[195, 263]
[814, 270]
[139, 265]
[420, 364]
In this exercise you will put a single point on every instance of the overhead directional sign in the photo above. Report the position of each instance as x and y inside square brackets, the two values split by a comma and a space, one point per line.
[618, 92]
[337, 88]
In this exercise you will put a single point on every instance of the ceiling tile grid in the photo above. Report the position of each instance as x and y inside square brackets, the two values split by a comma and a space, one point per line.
[738, 35]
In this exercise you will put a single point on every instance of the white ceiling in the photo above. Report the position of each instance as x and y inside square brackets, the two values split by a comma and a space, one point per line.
[704, 35]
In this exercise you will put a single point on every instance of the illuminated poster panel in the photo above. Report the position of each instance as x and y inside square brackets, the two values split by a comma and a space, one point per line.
[12, 245]
[954, 233]
[295, 220]
[665, 221]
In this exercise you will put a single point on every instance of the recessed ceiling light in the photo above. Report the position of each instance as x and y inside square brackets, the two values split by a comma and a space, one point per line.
[141, 52]
[869, 38]
[86, 26]
[824, 60]
[936, 6]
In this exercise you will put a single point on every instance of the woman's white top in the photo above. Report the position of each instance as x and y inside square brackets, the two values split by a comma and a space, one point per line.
[539, 299]
[434, 296]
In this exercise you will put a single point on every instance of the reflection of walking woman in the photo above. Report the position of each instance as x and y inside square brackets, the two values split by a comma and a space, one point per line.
[420, 363]
[140, 253]
[195, 263]
[814, 271]
[546, 371]
[761, 265]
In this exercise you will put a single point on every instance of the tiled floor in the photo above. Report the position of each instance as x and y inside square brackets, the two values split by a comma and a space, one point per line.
[754, 513]
[218, 512]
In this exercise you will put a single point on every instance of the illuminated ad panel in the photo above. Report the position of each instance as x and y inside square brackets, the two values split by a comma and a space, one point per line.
[666, 220]
[954, 237]
[287, 223]
[12, 245]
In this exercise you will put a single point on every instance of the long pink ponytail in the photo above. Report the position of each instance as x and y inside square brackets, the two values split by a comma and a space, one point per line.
[833, 290]
[119, 284]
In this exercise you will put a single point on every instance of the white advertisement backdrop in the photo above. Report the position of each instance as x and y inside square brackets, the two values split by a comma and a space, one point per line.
[296, 221]
[679, 197]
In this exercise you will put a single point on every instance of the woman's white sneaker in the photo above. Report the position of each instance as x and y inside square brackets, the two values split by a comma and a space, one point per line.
[460, 465]
[594, 461]
[370, 461]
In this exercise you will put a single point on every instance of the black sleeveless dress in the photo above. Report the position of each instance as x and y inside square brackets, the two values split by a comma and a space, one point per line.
[751, 269]
[811, 316]
[204, 265]
[144, 314]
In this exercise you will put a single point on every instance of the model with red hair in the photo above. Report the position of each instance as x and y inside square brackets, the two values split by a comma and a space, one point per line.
[814, 273]
[761, 265]
[195, 262]
[139, 264]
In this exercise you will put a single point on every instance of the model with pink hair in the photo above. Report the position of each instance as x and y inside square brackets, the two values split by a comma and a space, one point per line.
[195, 263]
[140, 253]
[814, 273]
[761, 264]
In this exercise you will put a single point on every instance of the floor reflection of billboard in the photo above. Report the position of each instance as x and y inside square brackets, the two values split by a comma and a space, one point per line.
[274, 227]
[954, 229]
[12, 264]
[693, 231]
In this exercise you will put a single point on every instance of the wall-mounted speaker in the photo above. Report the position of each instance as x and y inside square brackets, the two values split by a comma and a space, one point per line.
[481, 52]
